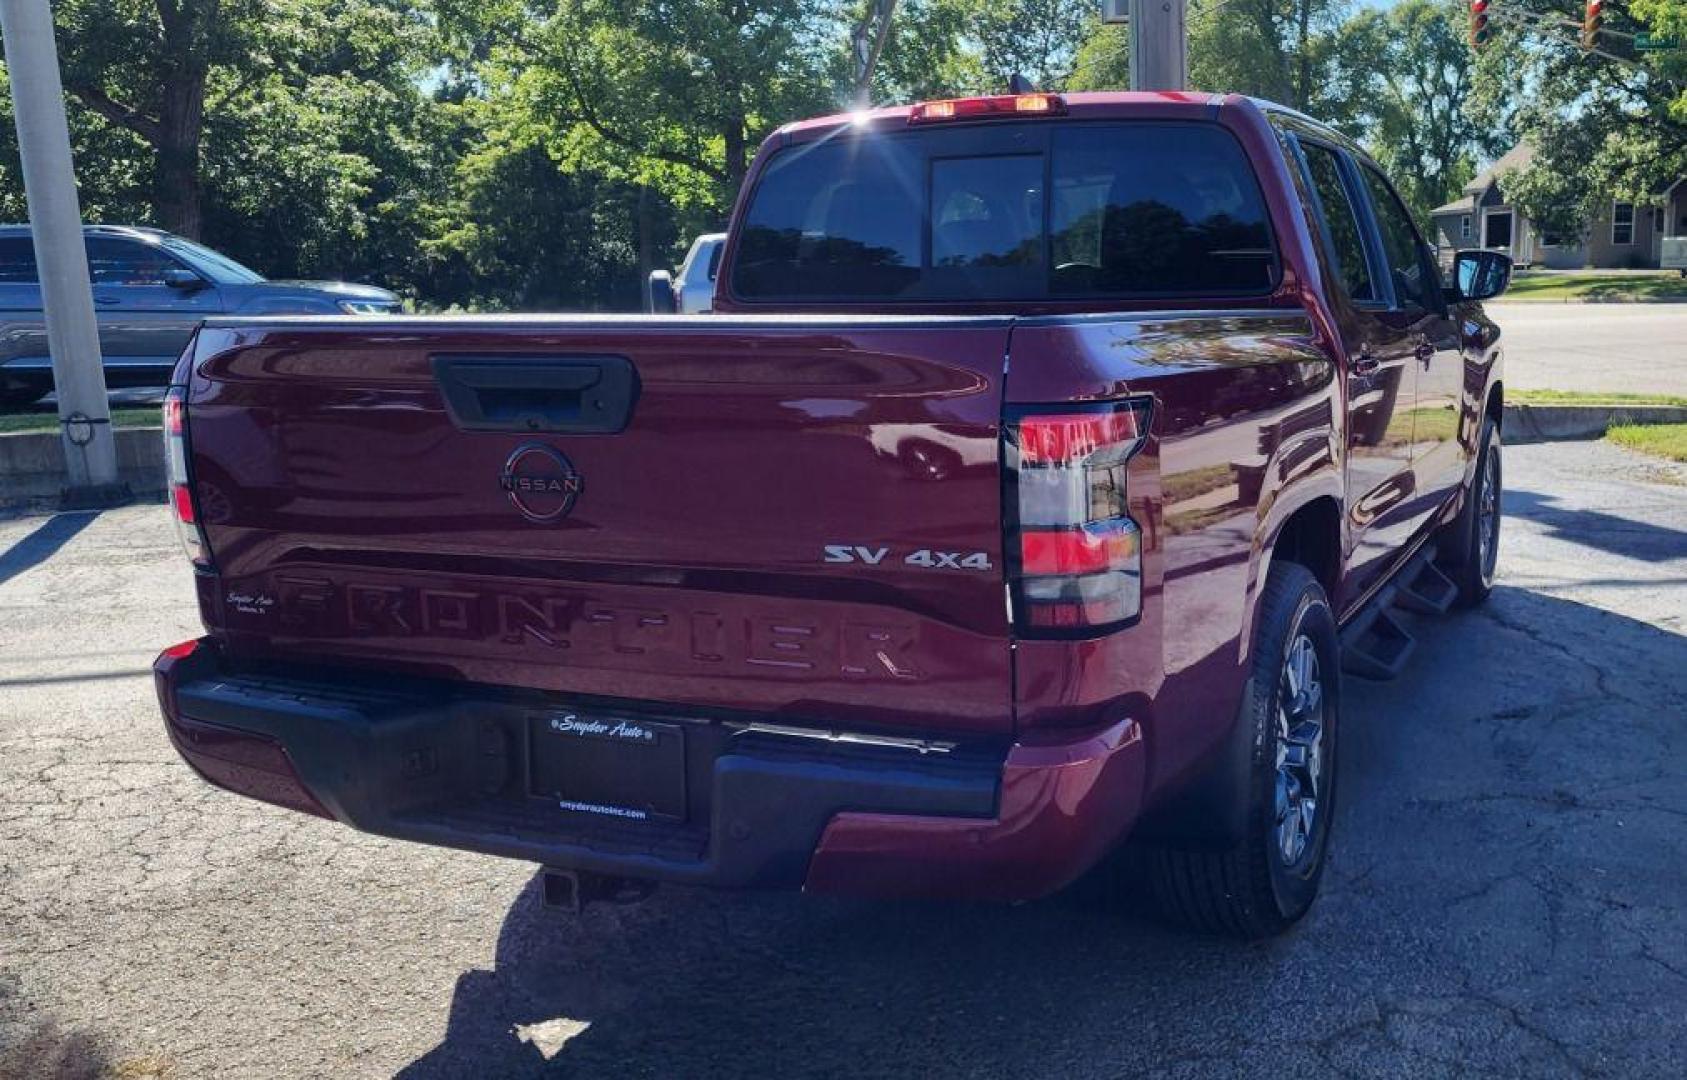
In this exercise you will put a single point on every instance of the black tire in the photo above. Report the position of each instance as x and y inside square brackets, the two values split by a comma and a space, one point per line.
[1460, 548]
[1254, 889]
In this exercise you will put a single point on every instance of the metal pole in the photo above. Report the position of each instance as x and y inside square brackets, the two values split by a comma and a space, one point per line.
[1159, 45]
[55, 220]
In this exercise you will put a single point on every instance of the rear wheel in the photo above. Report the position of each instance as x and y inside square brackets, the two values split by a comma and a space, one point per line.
[1470, 544]
[1262, 885]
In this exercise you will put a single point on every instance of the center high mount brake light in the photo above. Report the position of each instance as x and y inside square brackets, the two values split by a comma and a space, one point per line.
[997, 107]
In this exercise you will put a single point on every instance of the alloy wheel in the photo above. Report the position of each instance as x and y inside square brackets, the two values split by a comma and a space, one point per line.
[1488, 515]
[1300, 749]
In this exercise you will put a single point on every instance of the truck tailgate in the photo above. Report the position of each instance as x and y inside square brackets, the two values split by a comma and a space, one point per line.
[795, 517]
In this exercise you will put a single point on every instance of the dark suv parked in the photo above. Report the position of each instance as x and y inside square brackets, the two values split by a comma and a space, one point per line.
[151, 289]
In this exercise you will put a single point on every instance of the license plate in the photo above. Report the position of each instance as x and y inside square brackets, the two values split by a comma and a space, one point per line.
[611, 766]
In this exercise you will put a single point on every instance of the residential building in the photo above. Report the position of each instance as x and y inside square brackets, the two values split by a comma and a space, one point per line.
[1621, 235]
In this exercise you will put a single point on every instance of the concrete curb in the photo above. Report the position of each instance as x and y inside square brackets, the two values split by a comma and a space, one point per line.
[1552, 423]
[32, 467]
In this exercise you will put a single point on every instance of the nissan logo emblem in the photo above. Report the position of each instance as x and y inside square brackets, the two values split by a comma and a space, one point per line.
[541, 483]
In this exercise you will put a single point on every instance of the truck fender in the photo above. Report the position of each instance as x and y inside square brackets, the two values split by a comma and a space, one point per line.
[1211, 808]
[1313, 472]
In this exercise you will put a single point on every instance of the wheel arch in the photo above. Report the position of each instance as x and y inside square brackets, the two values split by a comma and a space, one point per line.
[1211, 808]
[1311, 536]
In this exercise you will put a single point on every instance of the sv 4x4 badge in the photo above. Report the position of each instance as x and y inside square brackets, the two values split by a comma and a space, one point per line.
[924, 557]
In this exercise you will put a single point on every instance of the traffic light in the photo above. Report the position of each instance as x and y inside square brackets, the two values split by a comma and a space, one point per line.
[1591, 19]
[1479, 31]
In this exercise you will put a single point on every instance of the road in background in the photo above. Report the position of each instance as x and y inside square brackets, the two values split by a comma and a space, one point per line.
[1617, 348]
[1504, 897]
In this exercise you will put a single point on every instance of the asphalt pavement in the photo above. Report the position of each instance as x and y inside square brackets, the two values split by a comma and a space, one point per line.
[1506, 895]
[1621, 348]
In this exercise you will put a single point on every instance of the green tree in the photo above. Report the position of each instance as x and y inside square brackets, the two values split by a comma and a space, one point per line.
[166, 72]
[674, 96]
[949, 48]
[929, 54]
[1603, 124]
[1103, 60]
[1284, 50]
[517, 230]
[1411, 73]
[1038, 39]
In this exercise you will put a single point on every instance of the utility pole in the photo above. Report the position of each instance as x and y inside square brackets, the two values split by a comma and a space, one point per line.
[1159, 44]
[55, 220]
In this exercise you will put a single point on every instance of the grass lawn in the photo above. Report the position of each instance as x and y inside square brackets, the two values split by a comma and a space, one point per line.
[133, 416]
[1179, 487]
[1615, 285]
[1588, 397]
[1664, 440]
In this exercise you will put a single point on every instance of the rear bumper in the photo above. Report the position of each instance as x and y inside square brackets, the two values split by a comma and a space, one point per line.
[447, 766]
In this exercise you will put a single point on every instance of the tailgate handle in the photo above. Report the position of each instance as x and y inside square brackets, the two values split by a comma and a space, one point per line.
[578, 395]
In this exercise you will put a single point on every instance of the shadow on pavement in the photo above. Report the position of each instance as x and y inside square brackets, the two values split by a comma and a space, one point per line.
[45, 1051]
[696, 984]
[1466, 923]
[1591, 528]
[43, 543]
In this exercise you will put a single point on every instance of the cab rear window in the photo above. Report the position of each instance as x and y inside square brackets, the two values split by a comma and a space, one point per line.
[1079, 210]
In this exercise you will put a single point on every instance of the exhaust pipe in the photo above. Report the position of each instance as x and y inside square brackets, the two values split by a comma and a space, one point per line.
[569, 891]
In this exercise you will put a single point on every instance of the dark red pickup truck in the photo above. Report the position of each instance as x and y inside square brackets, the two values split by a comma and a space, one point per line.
[1045, 462]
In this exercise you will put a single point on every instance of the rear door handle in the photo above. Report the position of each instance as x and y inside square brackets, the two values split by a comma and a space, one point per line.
[107, 300]
[1366, 364]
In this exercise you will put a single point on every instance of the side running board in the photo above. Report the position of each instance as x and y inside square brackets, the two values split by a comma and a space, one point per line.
[1377, 645]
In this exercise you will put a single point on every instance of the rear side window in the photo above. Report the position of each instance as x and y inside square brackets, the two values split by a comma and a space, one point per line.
[1144, 210]
[126, 262]
[834, 220]
[1099, 210]
[1340, 221]
[17, 261]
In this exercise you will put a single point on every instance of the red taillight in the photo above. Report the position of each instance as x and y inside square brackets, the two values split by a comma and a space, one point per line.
[985, 108]
[182, 500]
[178, 478]
[1063, 437]
[1087, 550]
[1079, 554]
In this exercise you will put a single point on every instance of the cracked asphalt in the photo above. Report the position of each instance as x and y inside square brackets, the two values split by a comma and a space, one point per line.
[1505, 898]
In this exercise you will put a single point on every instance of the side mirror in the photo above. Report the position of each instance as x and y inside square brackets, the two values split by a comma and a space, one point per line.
[180, 277]
[1480, 275]
[659, 294]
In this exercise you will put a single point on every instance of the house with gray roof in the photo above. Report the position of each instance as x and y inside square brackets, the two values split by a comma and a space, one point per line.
[1622, 234]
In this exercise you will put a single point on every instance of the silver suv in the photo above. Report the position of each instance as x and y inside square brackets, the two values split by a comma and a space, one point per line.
[151, 289]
